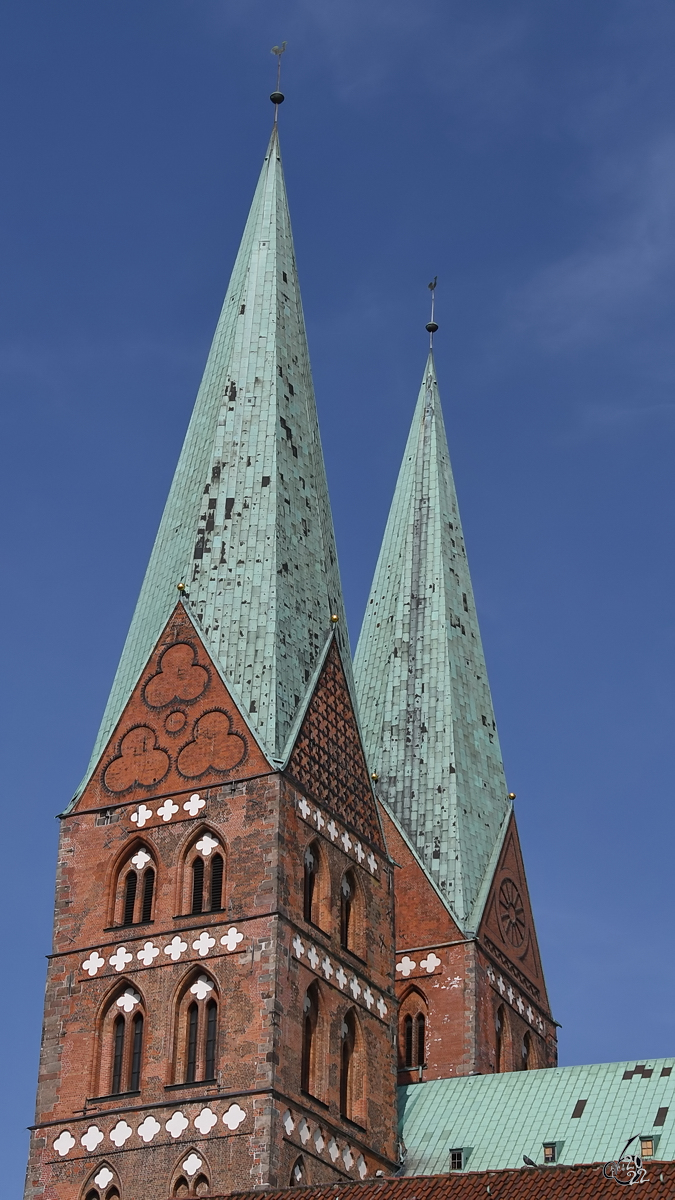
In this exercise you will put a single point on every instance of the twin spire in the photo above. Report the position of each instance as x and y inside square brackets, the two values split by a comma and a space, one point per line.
[247, 538]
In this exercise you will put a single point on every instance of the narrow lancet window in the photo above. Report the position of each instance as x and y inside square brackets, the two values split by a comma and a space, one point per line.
[198, 885]
[129, 898]
[216, 896]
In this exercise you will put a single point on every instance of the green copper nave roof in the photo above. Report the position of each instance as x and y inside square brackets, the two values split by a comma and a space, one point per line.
[247, 526]
[421, 683]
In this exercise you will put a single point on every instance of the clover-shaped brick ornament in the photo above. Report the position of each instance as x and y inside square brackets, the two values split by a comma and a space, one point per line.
[176, 1124]
[201, 987]
[148, 1128]
[141, 815]
[128, 1000]
[180, 677]
[234, 1117]
[175, 948]
[64, 1143]
[192, 1164]
[206, 845]
[92, 1138]
[93, 964]
[140, 859]
[167, 810]
[120, 958]
[104, 1177]
[214, 746]
[148, 954]
[194, 804]
[405, 966]
[120, 1134]
[203, 944]
[232, 939]
[140, 762]
[205, 1121]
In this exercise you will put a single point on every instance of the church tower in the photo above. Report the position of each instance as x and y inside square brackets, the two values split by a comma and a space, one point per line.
[469, 977]
[220, 1010]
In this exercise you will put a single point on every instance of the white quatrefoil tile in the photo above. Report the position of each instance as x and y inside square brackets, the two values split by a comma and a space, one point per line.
[141, 815]
[192, 1164]
[203, 944]
[128, 1000]
[176, 1124]
[232, 939]
[92, 1138]
[205, 845]
[205, 1121]
[175, 948]
[120, 958]
[430, 963]
[201, 987]
[167, 810]
[120, 1134]
[194, 804]
[361, 1166]
[148, 954]
[93, 964]
[234, 1117]
[104, 1177]
[140, 859]
[148, 1128]
[288, 1122]
[405, 966]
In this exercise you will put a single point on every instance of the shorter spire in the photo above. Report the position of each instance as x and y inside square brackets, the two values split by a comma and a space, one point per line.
[431, 325]
[277, 97]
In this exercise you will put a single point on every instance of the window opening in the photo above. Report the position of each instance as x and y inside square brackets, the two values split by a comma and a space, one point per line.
[647, 1147]
[298, 1172]
[310, 881]
[148, 889]
[180, 1188]
[526, 1052]
[408, 1033]
[310, 1018]
[549, 1152]
[456, 1160]
[197, 885]
[210, 1058]
[137, 1050]
[499, 1040]
[193, 1017]
[118, 1055]
[346, 1063]
[129, 898]
[216, 896]
[202, 1186]
[93, 1195]
[347, 889]
[420, 1039]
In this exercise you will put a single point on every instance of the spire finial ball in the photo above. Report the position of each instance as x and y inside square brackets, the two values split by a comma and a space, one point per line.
[181, 587]
[277, 97]
[512, 795]
[431, 327]
[374, 776]
[334, 619]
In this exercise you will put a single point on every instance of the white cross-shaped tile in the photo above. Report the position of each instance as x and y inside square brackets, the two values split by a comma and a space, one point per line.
[194, 804]
[167, 810]
[540, 1025]
[340, 978]
[298, 946]
[304, 1131]
[346, 841]
[318, 1140]
[141, 815]
[510, 994]
[175, 948]
[140, 859]
[93, 964]
[332, 829]
[176, 1124]
[234, 1116]
[501, 985]
[128, 1000]
[203, 944]
[348, 1158]
[104, 1177]
[490, 974]
[205, 1121]
[405, 966]
[232, 939]
[305, 810]
[430, 963]
[361, 1166]
[120, 1133]
[201, 987]
[64, 1142]
[288, 1122]
[147, 954]
[382, 1008]
[313, 957]
[327, 967]
[91, 1139]
[368, 998]
[192, 1164]
[529, 1014]
[319, 819]
[333, 1149]
[520, 1006]
[354, 987]
[359, 852]
[148, 1128]
[372, 863]
[205, 845]
[120, 958]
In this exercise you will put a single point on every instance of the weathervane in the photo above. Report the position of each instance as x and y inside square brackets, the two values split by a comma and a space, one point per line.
[432, 326]
[277, 97]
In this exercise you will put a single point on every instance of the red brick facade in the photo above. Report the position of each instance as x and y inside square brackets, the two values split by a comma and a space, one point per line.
[215, 1067]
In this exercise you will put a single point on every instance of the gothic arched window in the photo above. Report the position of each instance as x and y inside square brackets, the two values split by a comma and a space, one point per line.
[298, 1174]
[500, 1039]
[202, 885]
[121, 1040]
[196, 1032]
[412, 1030]
[353, 1072]
[134, 890]
[316, 888]
[310, 1081]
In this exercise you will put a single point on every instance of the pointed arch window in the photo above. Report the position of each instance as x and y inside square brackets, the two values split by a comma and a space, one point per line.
[196, 1041]
[316, 887]
[352, 924]
[413, 1016]
[310, 1081]
[500, 1039]
[353, 1070]
[121, 1039]
[134, 891]
[298, 1173]
[203, 875]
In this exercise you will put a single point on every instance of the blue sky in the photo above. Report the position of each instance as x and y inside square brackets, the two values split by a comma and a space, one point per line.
[525, 154]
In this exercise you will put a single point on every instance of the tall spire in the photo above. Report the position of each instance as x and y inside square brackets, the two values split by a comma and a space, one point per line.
[421, 682]
[247, 531]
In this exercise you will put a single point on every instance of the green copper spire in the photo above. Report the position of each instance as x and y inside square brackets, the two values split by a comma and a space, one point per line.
[247, 526]
[421, 683]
